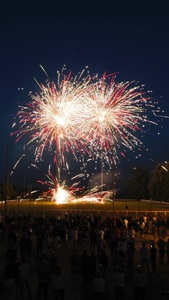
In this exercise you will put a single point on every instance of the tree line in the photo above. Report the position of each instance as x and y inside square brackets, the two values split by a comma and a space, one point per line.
[155, 186]
[140, 185]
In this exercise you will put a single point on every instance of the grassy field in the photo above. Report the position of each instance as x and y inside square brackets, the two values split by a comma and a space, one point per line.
[116, 207]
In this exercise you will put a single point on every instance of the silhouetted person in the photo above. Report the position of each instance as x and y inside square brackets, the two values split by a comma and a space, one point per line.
[75, 262]
[93, 237]
[24, 277]
[92, 265]
[22, 244]
[167, 250]
[85, 268]
[11, 254]
[103, 259]
[130, 257]
[39, 245]
[144, 256]
[57, 283]
[9, 279]
[53, 261]
[118, 282]
[161, 247]
[139, 282]
[99, 286]
[43, 279]
[152, 253]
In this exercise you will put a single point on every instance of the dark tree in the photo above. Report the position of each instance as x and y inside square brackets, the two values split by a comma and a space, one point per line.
[137, 184]
[159, 183]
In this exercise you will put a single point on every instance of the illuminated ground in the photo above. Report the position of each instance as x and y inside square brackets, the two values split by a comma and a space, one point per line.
[117, 207]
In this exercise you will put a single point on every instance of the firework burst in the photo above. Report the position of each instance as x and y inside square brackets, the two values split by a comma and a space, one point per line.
[53, 117]
[117, 111]
[83, 113]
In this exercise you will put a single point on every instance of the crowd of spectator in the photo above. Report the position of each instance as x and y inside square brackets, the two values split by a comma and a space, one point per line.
[96, 243]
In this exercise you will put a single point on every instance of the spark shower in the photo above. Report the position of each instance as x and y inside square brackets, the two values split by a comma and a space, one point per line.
[83, 113]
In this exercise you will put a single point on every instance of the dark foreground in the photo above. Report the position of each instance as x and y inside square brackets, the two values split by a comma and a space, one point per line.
[75, 287]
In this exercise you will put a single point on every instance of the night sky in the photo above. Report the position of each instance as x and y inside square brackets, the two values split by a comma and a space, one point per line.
[128, 38]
